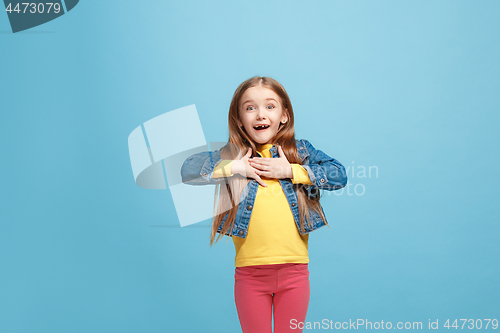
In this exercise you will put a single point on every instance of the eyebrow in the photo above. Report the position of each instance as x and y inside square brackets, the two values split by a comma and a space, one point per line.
[267, 99]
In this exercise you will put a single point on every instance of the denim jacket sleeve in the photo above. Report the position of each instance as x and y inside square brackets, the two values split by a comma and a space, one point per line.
[198, 169]
[324, 171]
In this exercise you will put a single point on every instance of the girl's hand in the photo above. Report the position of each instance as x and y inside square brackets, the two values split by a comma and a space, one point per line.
[273, 167]
[243, 167]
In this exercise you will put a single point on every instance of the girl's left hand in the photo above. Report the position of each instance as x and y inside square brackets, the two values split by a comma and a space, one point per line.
[273, 167]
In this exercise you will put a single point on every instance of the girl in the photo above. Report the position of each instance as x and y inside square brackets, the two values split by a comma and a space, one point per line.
[269, 224]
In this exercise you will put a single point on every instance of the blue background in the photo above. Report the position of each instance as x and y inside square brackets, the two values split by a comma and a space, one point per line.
[408, 87]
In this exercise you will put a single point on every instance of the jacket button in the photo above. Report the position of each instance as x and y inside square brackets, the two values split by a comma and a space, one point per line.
[322, 180]
[249, 207]
[204, 174]
[293, 204]
[240, 233]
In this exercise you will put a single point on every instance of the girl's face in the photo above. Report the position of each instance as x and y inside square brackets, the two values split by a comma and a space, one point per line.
[261, 112]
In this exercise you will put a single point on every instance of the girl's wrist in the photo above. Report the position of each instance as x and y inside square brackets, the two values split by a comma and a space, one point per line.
[236, 167]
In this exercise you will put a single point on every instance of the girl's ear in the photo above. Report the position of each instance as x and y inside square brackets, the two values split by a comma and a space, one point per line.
[284, 116]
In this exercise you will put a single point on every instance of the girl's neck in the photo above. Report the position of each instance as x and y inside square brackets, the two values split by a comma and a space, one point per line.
[260, 146]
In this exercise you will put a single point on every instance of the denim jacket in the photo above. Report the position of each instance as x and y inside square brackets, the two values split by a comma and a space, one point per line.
[324, 172]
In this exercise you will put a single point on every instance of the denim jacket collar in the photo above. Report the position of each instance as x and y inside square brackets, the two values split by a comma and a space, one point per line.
[301, 150]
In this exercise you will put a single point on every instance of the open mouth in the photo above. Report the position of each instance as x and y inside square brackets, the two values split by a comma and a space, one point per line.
[261, 128]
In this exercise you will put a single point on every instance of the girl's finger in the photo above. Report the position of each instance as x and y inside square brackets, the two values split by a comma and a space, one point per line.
[259, 166]
[254, 167]
[265, 173]
[260, 181]
[262, 161]
[281, 153]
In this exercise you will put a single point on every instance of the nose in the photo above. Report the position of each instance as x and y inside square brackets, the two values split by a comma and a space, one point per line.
[261, 114]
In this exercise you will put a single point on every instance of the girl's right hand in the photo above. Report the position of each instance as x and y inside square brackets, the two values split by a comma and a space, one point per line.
[243, 168]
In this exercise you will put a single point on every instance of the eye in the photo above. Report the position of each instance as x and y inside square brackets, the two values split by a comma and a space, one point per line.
[270, 105]
[249, 108]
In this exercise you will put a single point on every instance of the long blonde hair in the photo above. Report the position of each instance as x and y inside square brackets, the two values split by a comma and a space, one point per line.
[228, 192]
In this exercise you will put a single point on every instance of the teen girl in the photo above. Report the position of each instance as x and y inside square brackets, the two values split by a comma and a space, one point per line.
[267, 201]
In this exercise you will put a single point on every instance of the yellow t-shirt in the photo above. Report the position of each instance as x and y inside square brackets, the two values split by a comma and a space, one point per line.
[272, 237]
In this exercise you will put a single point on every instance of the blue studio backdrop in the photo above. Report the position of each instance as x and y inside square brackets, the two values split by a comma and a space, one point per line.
[403, 93]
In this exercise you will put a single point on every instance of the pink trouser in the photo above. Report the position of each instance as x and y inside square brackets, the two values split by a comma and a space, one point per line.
[263, 290]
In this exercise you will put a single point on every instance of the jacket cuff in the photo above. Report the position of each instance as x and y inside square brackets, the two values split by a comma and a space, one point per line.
[207, 169]
[223, 169]
[318, 176]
